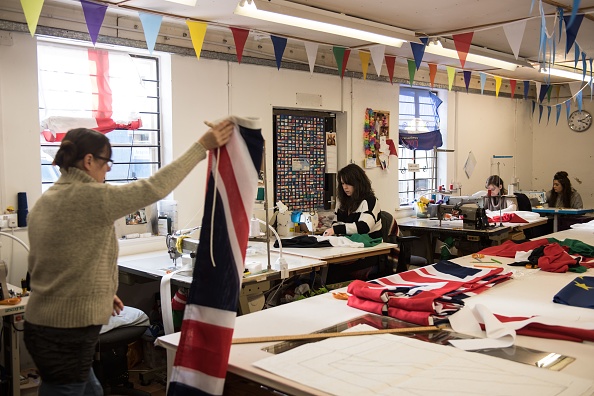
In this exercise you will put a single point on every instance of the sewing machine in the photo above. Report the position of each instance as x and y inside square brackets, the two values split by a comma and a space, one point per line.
[188, 246]
[465, 199]
[473, 217]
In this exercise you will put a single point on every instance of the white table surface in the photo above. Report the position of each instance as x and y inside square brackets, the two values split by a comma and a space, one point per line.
[529, 293]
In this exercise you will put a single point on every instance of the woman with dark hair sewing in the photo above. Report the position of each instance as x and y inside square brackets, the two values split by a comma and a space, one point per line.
[562, 195]
[497, 201]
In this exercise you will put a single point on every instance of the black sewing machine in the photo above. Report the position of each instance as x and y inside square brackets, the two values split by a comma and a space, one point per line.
[473, 217]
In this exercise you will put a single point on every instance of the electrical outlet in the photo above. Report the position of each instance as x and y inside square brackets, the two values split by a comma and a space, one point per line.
[8, 220]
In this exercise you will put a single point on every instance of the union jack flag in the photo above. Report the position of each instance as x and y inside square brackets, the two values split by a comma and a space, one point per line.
[207, 329]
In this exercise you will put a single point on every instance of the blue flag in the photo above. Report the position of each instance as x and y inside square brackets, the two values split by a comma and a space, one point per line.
[578, 293]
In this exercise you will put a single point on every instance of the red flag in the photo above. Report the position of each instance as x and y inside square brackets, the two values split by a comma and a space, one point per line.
[512, 87]
[462, 43]
[390, 61]
[239, 36]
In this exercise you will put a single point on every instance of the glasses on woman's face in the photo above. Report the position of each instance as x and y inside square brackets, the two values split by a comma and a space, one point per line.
[108, 161]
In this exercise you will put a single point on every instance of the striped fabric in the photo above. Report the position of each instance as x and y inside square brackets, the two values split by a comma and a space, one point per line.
[202, 356]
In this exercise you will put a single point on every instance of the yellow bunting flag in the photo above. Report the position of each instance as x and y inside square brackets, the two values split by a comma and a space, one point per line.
[497, 85]
[32, 10]
[197, 33]
[364, 56]
[451, 75]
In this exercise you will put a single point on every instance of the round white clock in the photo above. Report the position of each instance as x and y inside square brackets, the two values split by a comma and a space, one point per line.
[580, 121]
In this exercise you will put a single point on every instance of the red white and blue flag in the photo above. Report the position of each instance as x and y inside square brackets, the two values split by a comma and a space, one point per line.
[207, 329]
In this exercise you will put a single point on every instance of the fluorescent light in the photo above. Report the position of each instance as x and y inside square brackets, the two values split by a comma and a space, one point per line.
[436, 48]
[566, 74]
[190, 3]
[297, 15]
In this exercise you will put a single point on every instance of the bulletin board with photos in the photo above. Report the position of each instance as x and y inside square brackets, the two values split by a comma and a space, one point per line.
[299, 160]
[375, 134]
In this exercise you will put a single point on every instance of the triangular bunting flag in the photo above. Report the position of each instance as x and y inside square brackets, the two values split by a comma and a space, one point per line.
[537, 90]
[279, 44]
[342, 57]
[462, 43]
[364, 56]
[94, 15]
[451, 75]
[467, 77]
[239, 37]
[558, 108]
[515, 33]
[533, 106]
[418, 51]
[32, 10]
[411, 71]
[548, 114]
[312, 53]
[557, 91]
[543, 92]
[560, 13]
[432, 73]
[526, 89]
[497, 85]
[576, 56]
[390, 61]
[377, 55]
[575, 87]
[578, 99]
[540, 109]
[549, 91]
[512, 87]
[483, 78]
[197, 33]
[574, 9]
[567, 108]
[151, 23]
[584, 66]
[571, 32]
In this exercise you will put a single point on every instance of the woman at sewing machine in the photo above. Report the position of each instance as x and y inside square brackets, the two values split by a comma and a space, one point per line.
[562, 195]
[496, 200]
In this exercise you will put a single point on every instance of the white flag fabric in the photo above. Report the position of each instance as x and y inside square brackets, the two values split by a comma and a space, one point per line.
[312, 52]
[377, 55]
[515, 33]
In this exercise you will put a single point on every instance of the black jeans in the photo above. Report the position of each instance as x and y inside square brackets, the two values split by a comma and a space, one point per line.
[62, 356]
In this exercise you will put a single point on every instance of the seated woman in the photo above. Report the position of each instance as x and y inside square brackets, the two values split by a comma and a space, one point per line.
[562, 195]
[496, 200]
[357, 212]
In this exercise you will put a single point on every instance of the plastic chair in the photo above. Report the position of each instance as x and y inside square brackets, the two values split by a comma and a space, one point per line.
[401, 257]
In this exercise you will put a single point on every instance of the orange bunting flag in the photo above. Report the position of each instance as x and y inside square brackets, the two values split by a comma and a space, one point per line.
[512, 87]
[197, 33]
[364, 56]
[497, 85]
[390, 61]
[451, 75]
[240, 37]
[32, 10]
[432, 73]
[462, 43]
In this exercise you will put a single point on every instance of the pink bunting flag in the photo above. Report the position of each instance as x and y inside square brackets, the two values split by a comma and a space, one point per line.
[390, 61]
[432, 73]
[462, 43]
[240, 37]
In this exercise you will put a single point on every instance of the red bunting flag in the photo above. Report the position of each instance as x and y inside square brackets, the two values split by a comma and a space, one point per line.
[462, 43]
[342, 57]
[432, 73]
[512, 87]
[240, 37]
[390, 61]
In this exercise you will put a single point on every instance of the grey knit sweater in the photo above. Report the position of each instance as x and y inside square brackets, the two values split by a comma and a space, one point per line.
[74, 251]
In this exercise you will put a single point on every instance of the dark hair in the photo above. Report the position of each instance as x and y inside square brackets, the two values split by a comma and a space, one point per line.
[496, 181]
[79, 142]
[353, 175]
[563, 178]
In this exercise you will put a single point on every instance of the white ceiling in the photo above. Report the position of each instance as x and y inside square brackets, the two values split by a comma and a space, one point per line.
[425, 17]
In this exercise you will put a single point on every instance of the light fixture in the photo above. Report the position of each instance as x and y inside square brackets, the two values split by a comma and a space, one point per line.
[191, 3]
[475, 55]
[297, 15]
[565, 74]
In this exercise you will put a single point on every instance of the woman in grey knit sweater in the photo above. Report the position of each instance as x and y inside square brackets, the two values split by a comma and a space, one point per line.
[74, 250]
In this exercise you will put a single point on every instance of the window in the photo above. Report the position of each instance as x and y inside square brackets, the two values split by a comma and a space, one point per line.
[418, 113]
[114, 92]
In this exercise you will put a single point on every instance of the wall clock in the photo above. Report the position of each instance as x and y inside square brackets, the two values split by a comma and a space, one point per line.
[580, 121]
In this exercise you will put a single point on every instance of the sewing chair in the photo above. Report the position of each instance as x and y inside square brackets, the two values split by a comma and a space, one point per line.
[401, 257]
[525, 205]
[111, 361]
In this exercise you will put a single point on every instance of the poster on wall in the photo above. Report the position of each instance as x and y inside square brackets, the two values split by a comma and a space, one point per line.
[331, 153]
[375, 134]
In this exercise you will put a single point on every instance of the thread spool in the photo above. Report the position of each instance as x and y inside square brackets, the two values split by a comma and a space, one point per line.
[254, 227]
[23, 209]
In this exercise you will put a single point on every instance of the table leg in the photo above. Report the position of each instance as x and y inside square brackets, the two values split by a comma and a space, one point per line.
[12, 355]
[555, 222]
